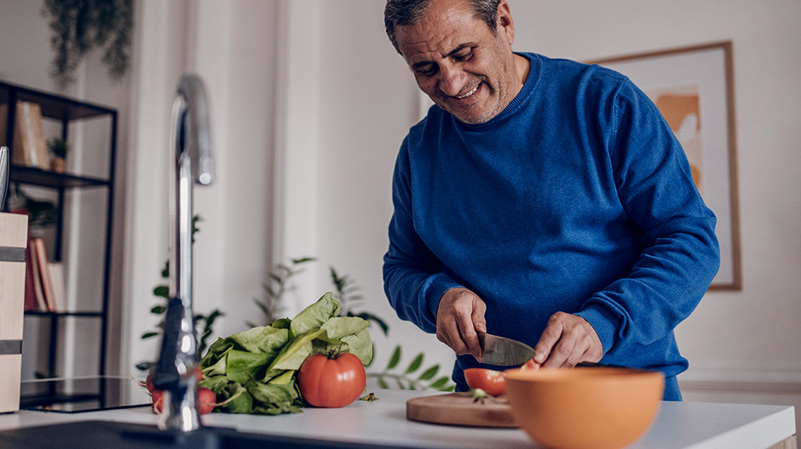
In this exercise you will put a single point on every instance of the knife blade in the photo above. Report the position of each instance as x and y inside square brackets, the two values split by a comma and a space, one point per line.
[5, 166]
[502, 351]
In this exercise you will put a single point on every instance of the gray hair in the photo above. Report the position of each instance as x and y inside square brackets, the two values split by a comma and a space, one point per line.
[409, 12]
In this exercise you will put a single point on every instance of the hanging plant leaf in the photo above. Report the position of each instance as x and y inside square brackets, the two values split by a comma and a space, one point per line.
[78, 26]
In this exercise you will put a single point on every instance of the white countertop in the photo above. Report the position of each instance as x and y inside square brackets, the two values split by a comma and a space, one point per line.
[694, 425]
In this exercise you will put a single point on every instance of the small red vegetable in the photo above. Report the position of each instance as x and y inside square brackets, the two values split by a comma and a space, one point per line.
[331, 380]
[206, 400]
[158, 400]
[491, 381]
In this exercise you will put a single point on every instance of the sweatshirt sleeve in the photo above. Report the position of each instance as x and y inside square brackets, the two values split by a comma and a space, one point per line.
[414, 280]
[680, 253]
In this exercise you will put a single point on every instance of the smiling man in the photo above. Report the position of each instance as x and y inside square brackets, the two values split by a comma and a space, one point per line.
[540, 199]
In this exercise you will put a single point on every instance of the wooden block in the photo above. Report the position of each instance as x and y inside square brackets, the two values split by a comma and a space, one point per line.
[10, 376]
[13, 243]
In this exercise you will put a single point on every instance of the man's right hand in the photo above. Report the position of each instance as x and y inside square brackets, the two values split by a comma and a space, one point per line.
[459, 316]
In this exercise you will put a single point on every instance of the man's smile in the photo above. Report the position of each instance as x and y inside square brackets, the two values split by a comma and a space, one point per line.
[471, 92]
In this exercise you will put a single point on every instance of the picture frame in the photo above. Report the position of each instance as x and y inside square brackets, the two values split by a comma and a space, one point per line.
[693, 87]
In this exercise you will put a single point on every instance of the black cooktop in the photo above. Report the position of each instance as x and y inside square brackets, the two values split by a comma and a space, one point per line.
[84, 394]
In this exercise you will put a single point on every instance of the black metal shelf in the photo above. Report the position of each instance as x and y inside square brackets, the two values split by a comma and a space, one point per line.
[79, 314]
[54, 106]
[66, 111]
[44, 178]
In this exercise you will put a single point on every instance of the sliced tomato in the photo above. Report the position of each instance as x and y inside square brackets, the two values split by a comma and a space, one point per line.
[531, 364]
[491, 381]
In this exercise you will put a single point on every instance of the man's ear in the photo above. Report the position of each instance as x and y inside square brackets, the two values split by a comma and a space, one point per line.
[505, 23]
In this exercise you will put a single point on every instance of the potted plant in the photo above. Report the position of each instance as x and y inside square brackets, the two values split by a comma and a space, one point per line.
[58, 149]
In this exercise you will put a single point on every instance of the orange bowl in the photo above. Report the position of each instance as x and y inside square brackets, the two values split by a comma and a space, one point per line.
[576, 408]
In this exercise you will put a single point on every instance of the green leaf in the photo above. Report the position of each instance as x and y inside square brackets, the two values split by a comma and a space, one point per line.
[276, 278]
[264, 339]
[360, 345]
[165, 272]
[144, 366]
[243, 402]
[281, 323]
[293, 354]
[272, 393]
[147, 335]
[158, 310]
[429, 373]
[315, 315]
[162, 291]
[439, 383]
[214, 383]
[283, 379]
[243, 366]
[382, 383]
[415, 365]
[395, 359]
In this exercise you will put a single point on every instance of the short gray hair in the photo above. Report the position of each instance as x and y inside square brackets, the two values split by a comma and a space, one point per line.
[409, 12]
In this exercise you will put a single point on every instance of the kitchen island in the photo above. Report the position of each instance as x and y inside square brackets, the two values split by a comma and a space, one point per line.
[383, 423]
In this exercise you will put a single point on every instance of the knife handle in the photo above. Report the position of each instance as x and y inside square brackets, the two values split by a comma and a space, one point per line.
[5, 166]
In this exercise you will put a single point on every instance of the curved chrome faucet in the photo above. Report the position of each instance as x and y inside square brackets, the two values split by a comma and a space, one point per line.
[190, 152]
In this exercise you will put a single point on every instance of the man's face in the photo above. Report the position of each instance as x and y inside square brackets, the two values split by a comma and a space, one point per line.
[458, 61]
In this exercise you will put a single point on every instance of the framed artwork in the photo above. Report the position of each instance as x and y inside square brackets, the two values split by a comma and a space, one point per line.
[693, 88]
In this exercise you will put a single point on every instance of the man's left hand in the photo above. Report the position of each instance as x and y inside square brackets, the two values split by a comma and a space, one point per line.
[567, 341]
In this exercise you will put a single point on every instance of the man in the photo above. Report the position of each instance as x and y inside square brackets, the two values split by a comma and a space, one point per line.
[540, 199]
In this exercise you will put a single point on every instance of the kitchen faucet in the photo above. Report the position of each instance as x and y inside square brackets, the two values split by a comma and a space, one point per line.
[190, 155]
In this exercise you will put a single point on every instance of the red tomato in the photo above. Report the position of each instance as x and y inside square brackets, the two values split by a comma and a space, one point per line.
[330, 380]
[206, 400]
[491, 381]
[531, 364]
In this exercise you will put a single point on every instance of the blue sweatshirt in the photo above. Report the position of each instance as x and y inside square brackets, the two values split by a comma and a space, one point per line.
[577, 197]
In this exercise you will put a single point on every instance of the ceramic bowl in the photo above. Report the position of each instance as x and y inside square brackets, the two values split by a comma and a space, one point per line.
[576, 408]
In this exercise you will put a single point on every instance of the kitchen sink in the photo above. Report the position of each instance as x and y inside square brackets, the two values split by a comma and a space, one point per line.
[115, 435]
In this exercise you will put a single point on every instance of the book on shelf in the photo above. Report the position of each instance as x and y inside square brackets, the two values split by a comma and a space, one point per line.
[33, 288]
[44, 273]
[30, 145]
[59, 291]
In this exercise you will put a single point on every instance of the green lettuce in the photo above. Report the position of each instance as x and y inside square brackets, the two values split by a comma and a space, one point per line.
[254, 371]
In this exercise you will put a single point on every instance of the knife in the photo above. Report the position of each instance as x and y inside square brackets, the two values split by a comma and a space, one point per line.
[502, 351]
[5, 166]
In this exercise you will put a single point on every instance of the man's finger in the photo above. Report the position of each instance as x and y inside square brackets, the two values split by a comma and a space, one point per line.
[550, 336]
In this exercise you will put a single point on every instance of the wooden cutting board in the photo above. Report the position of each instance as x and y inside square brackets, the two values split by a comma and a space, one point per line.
[459, 409]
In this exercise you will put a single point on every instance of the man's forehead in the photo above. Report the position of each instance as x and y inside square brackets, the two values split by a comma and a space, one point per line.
[439, 33]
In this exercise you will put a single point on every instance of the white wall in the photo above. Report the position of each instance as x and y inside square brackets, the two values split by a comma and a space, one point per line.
[230, 45]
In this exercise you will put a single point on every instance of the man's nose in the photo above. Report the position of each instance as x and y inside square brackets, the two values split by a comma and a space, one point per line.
[451, 79]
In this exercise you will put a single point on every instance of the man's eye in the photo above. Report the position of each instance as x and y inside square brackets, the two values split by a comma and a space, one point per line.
[463, 55]
[426, 69]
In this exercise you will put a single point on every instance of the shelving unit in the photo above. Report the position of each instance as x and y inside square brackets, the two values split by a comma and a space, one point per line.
[66, 112]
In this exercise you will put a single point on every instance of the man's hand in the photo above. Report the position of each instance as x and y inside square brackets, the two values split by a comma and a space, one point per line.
[459, 316]
[567, 341]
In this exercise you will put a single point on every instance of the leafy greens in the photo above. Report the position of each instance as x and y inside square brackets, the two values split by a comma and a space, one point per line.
[254, 371]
